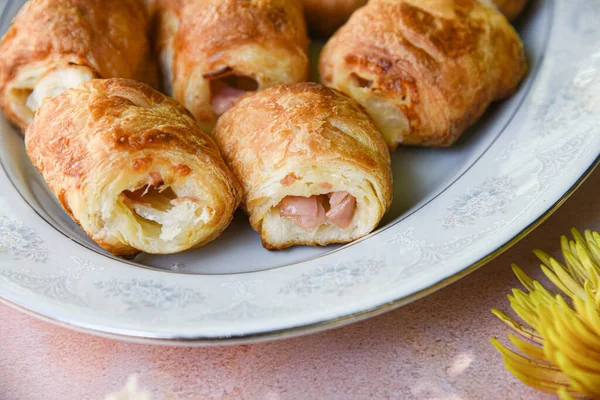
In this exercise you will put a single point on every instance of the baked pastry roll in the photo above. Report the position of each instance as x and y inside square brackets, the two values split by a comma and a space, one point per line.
[323, 17]
[53, 45]
[511, 8]
[132, 168]
[314, 168]
[425, 70]
[213, 52]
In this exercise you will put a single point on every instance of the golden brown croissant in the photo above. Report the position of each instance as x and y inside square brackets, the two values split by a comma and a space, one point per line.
[132, 168]
[314, 168]
[511, 8]
[425, 70]
[214, 51]
[323, 17]
[53, 45]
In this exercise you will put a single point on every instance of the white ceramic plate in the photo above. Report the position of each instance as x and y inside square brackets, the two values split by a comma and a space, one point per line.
[453, 209]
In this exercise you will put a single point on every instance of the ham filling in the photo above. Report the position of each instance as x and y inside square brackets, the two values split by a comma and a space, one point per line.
[306, 212]
[226, 89]
[341, 209]
[223, 97]
[309, 212]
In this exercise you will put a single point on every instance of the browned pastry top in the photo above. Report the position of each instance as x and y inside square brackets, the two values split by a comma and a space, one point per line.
[108, 136]
[299, 121]
[447, 60]
[225, 23]
[125, 114]
[427, 39]
[108, 36]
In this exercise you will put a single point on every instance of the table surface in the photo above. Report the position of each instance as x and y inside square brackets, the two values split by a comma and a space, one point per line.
[435, 348]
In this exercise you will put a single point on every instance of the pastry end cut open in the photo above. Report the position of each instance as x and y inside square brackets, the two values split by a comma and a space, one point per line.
[36, 85]
[160, 215]
[227, 88]
[386, 109]
[321, 214]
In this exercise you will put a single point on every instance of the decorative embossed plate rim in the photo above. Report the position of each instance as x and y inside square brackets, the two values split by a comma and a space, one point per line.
[551, 144]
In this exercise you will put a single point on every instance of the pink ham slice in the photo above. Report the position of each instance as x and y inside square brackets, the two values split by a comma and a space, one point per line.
[342, 208]
[306, 212]
[223, 97]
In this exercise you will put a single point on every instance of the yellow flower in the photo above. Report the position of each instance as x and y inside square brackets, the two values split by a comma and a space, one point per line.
[562, 352]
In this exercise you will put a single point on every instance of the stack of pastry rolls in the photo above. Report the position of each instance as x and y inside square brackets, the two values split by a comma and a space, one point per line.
[129, 164]
[308, 163]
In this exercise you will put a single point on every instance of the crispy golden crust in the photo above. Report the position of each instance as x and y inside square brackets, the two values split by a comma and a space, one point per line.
[511, 8]
[261, 39]
[107, 136]
[109, 37]
[425, 70]
[323, 17]
[304, 139]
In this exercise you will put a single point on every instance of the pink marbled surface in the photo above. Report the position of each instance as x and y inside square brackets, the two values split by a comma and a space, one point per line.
[436, 348]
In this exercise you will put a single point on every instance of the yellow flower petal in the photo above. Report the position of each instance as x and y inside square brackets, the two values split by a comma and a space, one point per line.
[522, 305]
[577, 236]
[542, 294]
[565, 394]
[542, 385]
[543, 256]
[572, 264]
[589, 314]
[560, 277]
[566, 343]
[586, 261]
[576, 270]
[524, 331]
[530, 350]
[583, 381]
[523, 277]
[540, 372]
[596, 237]
[568, 363]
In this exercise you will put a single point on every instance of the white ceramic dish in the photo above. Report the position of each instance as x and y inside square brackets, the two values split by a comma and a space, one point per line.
[453, 209]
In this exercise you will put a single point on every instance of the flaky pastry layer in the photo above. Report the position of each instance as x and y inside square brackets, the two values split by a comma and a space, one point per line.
[132, 168]
[425, 70]
[305, 140]
[200, 42]
[88, 38]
